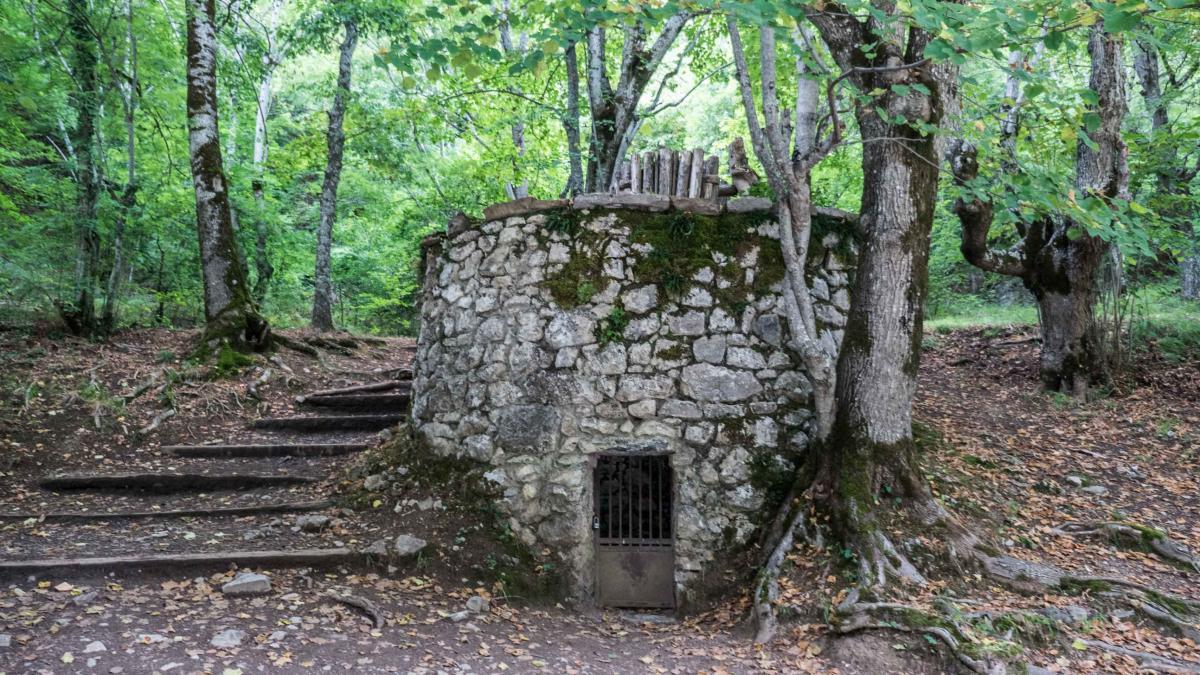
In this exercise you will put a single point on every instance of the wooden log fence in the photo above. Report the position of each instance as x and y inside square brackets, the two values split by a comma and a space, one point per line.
[674, 173]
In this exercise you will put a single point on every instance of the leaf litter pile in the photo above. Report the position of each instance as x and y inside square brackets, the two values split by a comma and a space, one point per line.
[1087, 487]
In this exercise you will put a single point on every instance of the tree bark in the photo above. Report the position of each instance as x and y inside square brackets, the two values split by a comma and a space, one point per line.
[871, 451]
[229, 311]
[322, 316]
[262, 261]
[514, 189]
[80, 313]
[613, 111]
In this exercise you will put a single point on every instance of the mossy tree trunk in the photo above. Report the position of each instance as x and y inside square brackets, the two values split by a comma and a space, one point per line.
[229, 311]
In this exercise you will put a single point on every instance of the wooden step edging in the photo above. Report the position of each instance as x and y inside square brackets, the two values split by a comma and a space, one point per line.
[68, 516]
[168, 482]
[330, 422]
[382, 402]
[259, 559]
[359, 389]
[266, 450]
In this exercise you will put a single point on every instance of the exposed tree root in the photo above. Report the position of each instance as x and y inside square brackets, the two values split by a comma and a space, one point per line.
[1154, 662]
[362, 604]
[158, 419]
[855, 616]
[252, 388]
[1135, 535]
[295, 345]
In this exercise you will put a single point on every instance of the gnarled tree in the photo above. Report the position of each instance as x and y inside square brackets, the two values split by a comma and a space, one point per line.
[1056, 257]
[864, 446]
[229, 311]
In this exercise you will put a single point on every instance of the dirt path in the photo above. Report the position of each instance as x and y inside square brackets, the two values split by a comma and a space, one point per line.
[1004, 456]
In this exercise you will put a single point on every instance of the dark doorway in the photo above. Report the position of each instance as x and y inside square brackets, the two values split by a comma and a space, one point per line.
[633, 525]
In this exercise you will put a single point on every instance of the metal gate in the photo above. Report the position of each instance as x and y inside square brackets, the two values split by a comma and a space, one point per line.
[633, 526]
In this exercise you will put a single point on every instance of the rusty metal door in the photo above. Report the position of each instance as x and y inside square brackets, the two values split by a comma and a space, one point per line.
[633, 527]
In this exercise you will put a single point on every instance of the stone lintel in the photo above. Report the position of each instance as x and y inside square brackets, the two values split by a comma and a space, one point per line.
[521, 207]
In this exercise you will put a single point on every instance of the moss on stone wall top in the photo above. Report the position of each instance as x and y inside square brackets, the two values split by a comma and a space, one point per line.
[681, 245]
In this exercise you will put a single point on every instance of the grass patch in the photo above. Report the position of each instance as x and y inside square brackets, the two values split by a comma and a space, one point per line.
[971, 312]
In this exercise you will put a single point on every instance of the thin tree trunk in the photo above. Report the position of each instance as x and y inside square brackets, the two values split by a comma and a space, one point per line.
[1166, 163]
[322, 316]
[262, 261]
[513, 189]
[230, 313]
[571, 124]
[80, 314]
[128, 197]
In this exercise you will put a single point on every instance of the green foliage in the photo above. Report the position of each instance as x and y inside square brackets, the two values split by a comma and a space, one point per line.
[612, 327]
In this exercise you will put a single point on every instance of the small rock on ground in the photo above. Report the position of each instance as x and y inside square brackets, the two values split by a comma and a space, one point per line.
[478, 603]
[247, 583]
[312, 523]
[408, 545]
[228, 638]
[5, 640]
[95, 646]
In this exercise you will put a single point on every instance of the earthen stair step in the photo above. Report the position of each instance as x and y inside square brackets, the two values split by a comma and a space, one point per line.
[169, 482]
[330, 423]
[266, 450]
[379, 402]
[68, 516]
[216, 560]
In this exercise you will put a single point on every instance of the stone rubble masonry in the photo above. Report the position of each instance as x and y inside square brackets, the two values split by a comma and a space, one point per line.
[506, 376]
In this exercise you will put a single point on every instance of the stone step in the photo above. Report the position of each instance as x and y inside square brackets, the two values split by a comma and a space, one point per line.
[266, 450]
[377, 402]
[215, 560]
[330, 423]
[168, 482]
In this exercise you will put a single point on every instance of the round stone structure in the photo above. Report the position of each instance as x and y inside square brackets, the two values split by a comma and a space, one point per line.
[556, 332]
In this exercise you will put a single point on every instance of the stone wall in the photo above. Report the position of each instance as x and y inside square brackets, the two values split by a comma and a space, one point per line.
[554, 331]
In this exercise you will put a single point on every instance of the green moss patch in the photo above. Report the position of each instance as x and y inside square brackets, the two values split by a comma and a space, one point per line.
[682, 244]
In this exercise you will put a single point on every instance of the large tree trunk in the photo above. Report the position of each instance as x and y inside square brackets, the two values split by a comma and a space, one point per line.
[80, 313]
[230, 313]
[262, 261]
[322, 316]
[871, 450]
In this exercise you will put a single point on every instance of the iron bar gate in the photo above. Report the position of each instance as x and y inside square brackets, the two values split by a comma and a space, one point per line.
[633, 524]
